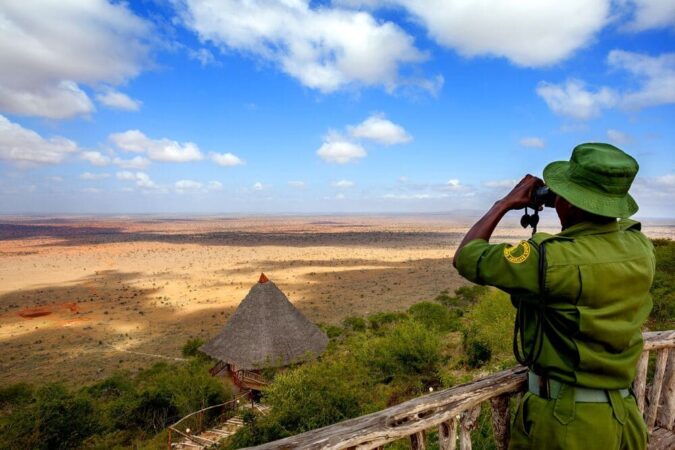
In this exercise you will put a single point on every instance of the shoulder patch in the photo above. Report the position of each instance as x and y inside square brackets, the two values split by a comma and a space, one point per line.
[517, 254]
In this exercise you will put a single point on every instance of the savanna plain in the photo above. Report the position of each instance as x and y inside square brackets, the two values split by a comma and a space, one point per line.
[82, 298]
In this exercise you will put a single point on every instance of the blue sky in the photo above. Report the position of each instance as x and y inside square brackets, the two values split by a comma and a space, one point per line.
[362, 106]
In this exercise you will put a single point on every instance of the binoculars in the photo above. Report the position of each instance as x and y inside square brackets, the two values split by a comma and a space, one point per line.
[542, 196]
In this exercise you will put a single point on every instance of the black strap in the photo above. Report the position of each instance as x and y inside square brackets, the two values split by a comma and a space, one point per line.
[529, 357]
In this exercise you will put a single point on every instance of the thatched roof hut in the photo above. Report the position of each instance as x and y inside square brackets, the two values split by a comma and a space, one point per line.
[266, 330]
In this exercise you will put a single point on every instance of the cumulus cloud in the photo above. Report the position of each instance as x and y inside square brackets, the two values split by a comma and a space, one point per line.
[166, 150]
[203, 55]
[573, 99]
[454, 185]
[226, 159]
[141, 179]
[337, 149]
[95, 158]
[137, 162]
[183, 186]
[617, 137]
[118, 100]
[655, 74]
[104, 43]
[94, 176]
[214, 186]
[343, 184]
[527, 32]
[500, 184]
[258, 186]
[379, 129]
[297, 184]
[324, 47]
[25, 147]
[533, 142]
[652, 14]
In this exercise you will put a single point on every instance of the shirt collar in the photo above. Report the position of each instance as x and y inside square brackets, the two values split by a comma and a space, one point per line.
[586, 228]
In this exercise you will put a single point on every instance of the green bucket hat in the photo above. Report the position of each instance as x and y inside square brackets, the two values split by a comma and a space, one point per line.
[596, 179]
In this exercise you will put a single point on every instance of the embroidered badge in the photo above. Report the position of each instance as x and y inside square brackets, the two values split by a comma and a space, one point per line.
[517, 254]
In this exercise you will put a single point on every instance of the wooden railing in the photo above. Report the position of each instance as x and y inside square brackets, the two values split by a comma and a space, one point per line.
[190, 426]
[454, 412]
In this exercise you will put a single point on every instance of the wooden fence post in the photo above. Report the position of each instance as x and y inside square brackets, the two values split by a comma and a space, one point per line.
[655, 397]
[447, 435]
[468, 422]
[418, 441]
[500, 420]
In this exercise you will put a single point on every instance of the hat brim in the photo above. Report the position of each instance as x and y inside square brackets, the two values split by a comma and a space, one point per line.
[555, 177]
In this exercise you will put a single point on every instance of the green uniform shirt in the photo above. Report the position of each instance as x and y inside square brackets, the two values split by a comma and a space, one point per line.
[581, 307]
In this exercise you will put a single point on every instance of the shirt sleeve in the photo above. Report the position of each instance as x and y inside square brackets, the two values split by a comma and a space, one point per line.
[514, 269]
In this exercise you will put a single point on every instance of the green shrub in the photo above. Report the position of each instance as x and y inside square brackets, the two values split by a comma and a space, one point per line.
[478, 353]
[434, 316]
[471, 293]
[357, 324]
[15, 394]
[408, 349]
[191, 347]
[331, 331]
[381, 319]
[663, 288]
[56, 419]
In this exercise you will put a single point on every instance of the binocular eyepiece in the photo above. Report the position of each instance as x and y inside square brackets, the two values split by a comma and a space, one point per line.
[542, 196]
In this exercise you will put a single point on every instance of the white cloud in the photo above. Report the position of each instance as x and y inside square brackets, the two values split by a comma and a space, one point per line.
[533, 142]
[203, 55]
[141, 179]
[183, 186]
[55, 179]
[157, 149]
[656, 75]
[94, 176]
[652, 14]
[118, 100]
[419, 196]
[527, 32]
[214, 186]
[258, 186]
[336, 149]
[454, 185]
[91, 190]
[340, 196]
[574, 100]
[297, 184]
[379, 129]
[324, 47]
[47, 49]
[226, 159]
[617, 137]
[500, 184]
[95, 158]
[137, 162]
[343, 184]
[25, 147]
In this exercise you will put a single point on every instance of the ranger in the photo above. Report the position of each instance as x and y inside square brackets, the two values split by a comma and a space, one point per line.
[581, 295]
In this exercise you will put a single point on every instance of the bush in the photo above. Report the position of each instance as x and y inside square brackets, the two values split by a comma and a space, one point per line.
[378, 320]
[357, 324]
[56, 419]
[15, 395]
[471, 293]
[435, 317]
[408, 349]
[663, 288]
[315, 395]
[478, 353]
[191, 347]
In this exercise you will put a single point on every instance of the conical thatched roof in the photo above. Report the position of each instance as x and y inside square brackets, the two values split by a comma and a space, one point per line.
[266, 330]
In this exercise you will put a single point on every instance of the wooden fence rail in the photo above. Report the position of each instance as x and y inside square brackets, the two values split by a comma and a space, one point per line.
[455, 411]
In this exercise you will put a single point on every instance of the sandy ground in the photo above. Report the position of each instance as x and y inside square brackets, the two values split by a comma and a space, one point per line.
[81, 298]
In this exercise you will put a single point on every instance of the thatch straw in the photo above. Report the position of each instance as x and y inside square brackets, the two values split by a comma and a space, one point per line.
[266, 330]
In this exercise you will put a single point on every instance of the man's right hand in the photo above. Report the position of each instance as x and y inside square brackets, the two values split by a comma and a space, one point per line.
[521, 195]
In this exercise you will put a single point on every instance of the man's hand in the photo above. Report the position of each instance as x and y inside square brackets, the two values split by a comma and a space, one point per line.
[521, 195]
[518, 198]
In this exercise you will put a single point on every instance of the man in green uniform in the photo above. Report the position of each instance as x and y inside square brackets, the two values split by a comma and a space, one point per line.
[581, 295]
